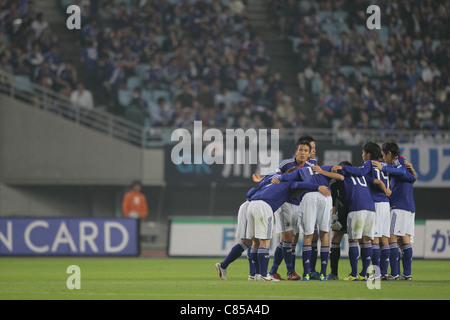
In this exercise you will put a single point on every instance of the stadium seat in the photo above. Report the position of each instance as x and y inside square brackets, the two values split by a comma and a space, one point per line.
[325, 16]
[346, 70]
[139, 68]
[124, 97]
[340, 16]
[235, 96]
[133, 82]
[242, 84]
[417, 43]
[22, 83]
[367, 70]
[295, 42]
[158, 93]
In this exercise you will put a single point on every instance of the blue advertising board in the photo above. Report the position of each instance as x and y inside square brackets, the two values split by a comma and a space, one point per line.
[69, 237]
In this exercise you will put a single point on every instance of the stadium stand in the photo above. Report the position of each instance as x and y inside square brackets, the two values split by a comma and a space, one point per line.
[394, 78]
[202, 60]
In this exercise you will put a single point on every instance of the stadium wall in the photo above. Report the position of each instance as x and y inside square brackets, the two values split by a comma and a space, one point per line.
[187, 234]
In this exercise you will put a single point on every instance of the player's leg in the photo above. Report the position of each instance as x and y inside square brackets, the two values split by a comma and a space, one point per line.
[314, 274]
[354, 232]
[324, 207]
[254, 258]
[335, 253]
[385, 252]
[243, 245]
[366, 246]
[407, 245]
[396, 232]
[407, 253]
[307, 220]
[278, 253]
[263, 217]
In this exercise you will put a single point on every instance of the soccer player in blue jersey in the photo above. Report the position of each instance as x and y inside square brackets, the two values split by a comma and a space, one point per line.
[360, 220]
[379, 189]
[286, 217]
[402, 208]
[242, 233]
[339, 224]
[262, 206]
[314, 209]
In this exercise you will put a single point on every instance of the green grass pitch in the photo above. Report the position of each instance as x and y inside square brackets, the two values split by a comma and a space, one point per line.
[29, 278]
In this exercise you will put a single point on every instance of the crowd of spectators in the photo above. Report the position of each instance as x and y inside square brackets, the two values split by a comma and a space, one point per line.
[392, 79]
[203, 56]
[29, 47]
[208, 63]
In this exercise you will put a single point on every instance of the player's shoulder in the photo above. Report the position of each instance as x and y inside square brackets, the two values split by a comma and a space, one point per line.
[399, 162]
[286, 164]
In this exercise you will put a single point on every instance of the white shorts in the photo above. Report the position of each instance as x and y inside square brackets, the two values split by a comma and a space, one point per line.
[382, 227]
[241, 231]
[402, 222]
[360, 223]
[315, 208]
[284, 218]
[260, 220]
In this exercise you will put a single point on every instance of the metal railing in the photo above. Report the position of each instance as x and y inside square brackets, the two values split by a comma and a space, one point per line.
[20, 87]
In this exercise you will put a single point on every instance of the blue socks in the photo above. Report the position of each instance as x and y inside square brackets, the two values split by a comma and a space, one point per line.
[250, 262]
[407, 259]
[384, 260]
[277, 258]
[287, 256]
[313, 255]
[306, 257]
[376, 254]
[254, 257]
[234, 253]
[353, 255]
[366, 256]
[394, 259]
[263, 260]
[324, 254]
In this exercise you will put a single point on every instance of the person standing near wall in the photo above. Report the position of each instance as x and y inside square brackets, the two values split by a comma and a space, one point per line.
[134, 203]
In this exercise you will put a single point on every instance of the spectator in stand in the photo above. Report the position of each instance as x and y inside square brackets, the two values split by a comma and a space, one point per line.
[162, 114]
[82, 99]
[381, 63]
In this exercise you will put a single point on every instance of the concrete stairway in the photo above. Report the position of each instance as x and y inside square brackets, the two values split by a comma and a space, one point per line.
[279, 50]
[68, 40]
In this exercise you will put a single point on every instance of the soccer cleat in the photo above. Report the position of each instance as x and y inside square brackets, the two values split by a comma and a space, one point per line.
[222, 272]
[374, 277]
[293, 276]
[362, 278]
[305, 278]
[323, 278]
[351, 278]
[315, 275]
[251, 278]
[403, 277]
[332, 277]
[266, 278]
[277, 276]
[390, 277]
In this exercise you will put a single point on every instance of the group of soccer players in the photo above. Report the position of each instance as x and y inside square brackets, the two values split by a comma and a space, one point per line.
[373, 204]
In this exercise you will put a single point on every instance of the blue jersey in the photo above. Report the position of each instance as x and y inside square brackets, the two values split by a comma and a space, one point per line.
[266, 180]
[402, 181]
[307, 174]
[357, 192]
[371, 173]
[286, 164]
[277, 194]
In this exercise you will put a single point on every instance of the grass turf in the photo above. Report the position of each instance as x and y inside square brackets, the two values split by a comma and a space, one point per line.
[29, 278]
